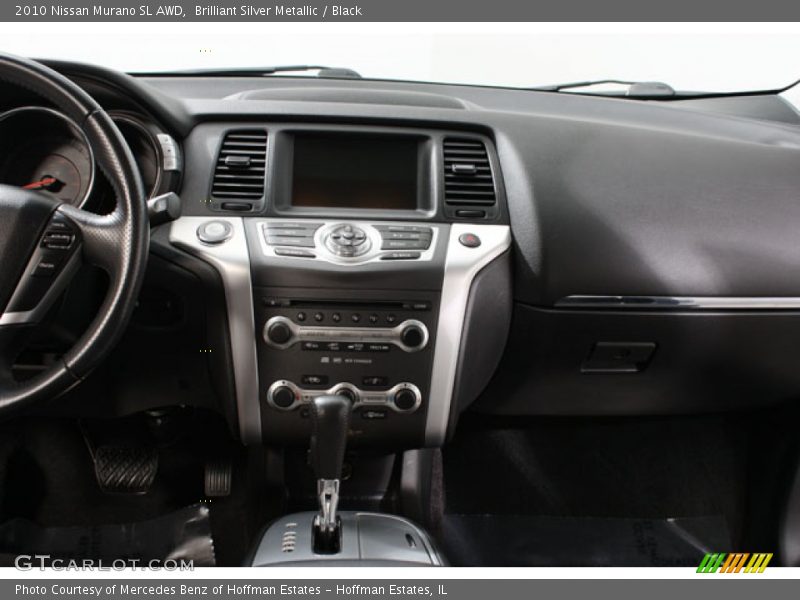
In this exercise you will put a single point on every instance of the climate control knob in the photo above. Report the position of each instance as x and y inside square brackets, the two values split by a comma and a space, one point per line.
[407, 398]
[283, 396]
[349, 392]
[278, 332]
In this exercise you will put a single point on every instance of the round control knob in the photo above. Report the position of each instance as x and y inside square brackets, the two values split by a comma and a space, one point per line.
[279, 332]
[348, 393]
[283, 396]
[214, 232]
[412, 336]
[405, 399]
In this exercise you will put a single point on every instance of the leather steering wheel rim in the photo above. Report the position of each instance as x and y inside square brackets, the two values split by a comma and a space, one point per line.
[117, 242]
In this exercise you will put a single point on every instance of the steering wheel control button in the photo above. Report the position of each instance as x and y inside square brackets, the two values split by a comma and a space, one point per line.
[60, 240]
[214, 232]
[45, 268]
[469, 240]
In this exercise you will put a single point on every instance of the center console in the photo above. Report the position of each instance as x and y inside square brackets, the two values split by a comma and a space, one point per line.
[367, 281]
[357, 261]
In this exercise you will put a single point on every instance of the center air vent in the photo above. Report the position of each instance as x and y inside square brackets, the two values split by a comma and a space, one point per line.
[468, 182]
[240, 168]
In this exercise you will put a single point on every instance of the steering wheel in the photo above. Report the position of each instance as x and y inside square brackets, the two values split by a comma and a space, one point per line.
[43, 242]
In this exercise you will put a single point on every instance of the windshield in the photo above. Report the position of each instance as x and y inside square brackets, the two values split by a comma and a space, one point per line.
[698, 59]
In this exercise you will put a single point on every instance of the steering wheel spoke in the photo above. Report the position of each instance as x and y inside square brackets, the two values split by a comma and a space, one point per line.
[101, 237]
[39, 255]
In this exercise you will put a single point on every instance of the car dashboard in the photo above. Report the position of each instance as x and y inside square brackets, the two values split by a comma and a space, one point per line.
[425, 249]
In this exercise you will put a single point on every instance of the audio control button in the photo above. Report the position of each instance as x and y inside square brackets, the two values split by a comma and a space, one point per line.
[315, 379]
[279, 333]
[412, 336]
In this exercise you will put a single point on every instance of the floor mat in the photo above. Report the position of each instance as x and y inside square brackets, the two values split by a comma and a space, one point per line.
[184, 534]
[515, 541]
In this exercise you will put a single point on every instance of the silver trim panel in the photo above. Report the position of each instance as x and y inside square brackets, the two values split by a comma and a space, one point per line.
[322, 253]
[372, 335]
[372, 538]
[680, 302]
[232, 260]
[461, 266]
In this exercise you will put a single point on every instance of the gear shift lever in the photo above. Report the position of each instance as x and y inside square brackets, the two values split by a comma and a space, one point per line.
[330, 420]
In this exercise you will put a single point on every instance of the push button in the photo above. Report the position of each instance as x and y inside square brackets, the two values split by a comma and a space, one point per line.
[295, 252]
[297, 242]
[57, 240]
[214, 232]
[374, 414]
[401, 255]
[420, 244]
[470, 240]
[45, 268]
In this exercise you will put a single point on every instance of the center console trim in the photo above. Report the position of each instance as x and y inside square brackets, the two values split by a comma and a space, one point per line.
[461, 266]
[321, 252]
[231, 258]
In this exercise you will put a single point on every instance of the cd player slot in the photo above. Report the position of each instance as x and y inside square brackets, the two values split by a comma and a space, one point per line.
[311, 303]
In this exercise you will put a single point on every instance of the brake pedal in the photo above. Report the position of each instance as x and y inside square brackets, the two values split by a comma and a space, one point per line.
[125, 470]
[218, 477]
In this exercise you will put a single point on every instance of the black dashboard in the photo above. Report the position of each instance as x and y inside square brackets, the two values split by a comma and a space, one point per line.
[450, 247]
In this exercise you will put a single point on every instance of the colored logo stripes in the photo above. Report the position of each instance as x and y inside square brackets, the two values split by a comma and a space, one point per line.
[737, 562]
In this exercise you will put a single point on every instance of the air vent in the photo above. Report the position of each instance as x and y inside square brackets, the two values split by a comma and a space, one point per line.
[241, 164]
[468, 181]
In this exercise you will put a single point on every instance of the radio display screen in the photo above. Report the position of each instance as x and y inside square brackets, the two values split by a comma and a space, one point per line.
[355, 171]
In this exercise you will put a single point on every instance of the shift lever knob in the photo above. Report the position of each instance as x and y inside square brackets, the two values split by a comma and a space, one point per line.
[330, 419]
